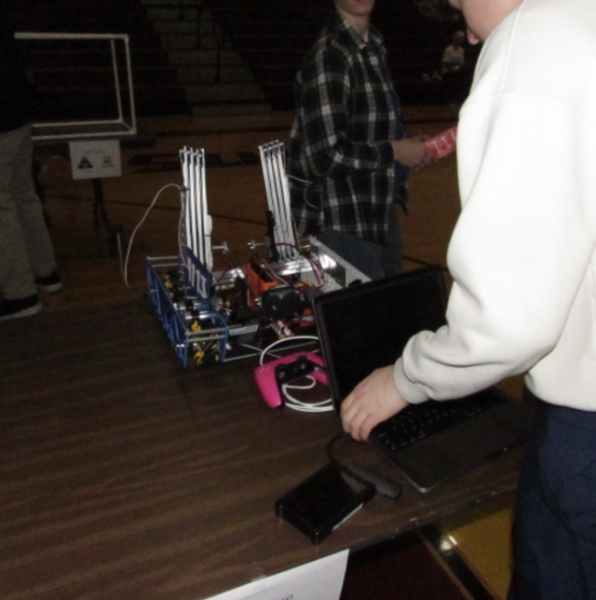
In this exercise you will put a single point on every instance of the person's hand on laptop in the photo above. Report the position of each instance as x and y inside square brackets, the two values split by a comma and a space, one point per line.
[373, 400]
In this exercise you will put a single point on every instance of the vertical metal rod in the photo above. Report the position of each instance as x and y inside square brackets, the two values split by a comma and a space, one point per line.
[290, 227]
[291, 236]
[265, 166]
[207, 223]
[277, 200]
[274, 200]
[284, 209]
[186, 185]
[283, 201]
[195, 235]
[201, 208]
[133, 113]
[116, 81]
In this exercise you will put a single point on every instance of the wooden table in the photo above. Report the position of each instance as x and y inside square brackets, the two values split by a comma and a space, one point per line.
[124, 476]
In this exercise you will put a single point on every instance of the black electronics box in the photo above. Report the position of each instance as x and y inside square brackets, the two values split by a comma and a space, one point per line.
[321, 503]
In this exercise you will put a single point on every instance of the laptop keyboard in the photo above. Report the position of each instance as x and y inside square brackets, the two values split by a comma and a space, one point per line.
[416, 422]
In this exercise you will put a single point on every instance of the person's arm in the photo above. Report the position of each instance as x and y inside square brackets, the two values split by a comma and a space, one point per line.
[324, 107]
[518, 255]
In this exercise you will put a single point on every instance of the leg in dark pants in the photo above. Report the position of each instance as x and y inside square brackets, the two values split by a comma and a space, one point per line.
[554, 534]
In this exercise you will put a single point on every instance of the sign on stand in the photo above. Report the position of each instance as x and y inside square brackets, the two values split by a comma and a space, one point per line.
[95, 159]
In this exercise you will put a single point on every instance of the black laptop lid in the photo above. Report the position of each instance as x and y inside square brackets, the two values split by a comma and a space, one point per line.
[367, 326]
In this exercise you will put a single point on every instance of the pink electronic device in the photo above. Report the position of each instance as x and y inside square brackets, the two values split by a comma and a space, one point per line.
[271, 376]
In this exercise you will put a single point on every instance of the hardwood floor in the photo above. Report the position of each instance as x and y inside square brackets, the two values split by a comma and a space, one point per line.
[93, 276]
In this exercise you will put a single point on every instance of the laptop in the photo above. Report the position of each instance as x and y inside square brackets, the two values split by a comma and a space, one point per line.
[366, 326]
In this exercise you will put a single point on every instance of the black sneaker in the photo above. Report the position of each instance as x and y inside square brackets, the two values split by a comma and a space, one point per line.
[50, 284]
[20, 307]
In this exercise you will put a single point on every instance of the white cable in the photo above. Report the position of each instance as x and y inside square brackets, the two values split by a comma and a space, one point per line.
[305, 386]
[300, 180]
[125, 270]
[288, 339]
[255, 348]
[299, 405]
[295, 403]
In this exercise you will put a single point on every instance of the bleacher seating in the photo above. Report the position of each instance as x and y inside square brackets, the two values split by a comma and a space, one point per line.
[273, 35]
[265, 42]
[215, 78]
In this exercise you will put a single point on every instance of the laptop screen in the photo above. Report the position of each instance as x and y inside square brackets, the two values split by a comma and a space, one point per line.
[367, 326]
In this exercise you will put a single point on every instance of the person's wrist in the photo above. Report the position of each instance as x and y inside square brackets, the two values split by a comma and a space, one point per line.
[408, 390]
[398, 151]
[387, 151]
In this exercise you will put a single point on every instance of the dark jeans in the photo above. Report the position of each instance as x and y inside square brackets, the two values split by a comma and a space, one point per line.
[374, 260]
[554, 532]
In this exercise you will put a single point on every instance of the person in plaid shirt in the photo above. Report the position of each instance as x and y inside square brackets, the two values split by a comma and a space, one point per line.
[348, 152]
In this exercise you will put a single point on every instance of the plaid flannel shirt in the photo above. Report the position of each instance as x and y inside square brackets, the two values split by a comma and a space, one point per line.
[341, 165]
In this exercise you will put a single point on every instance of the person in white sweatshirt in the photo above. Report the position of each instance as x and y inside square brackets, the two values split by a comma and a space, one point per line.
[523, 260]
